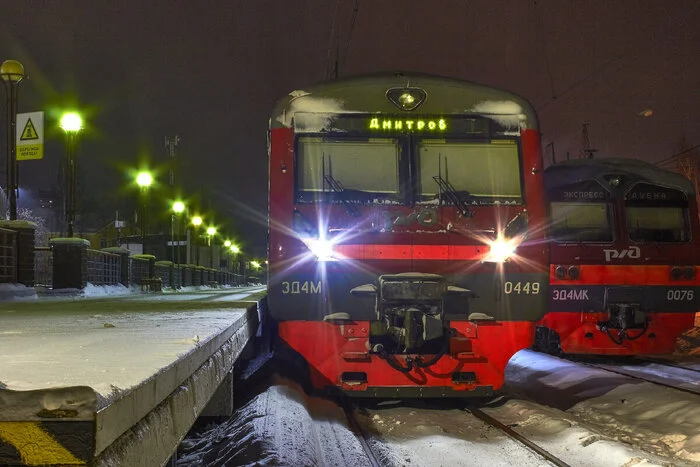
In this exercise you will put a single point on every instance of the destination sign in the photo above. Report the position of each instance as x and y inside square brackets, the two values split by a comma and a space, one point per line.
[407, 124]
[585, 195]
[471, 126]
[588, 190]
[645, 193]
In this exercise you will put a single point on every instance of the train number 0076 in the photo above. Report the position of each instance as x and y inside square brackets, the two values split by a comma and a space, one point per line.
[676, 295]
[526, 288]
[301, 287]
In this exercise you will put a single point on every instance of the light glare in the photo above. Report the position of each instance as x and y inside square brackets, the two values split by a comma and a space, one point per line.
[321, 248]
[178, 207]
[501, 249]
[71, 122]
[144, 179]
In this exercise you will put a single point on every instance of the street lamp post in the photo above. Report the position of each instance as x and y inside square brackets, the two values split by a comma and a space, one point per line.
[211, 231]
[196, 222]
[234, 251]
[227, 244]
[12, 73]
[144, 180]
[71, 123]
[178, 208]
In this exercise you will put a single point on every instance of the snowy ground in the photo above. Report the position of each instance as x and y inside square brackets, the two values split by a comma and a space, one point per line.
[584, 416]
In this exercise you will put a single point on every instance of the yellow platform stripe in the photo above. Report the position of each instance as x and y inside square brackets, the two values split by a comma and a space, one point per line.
[36, 445]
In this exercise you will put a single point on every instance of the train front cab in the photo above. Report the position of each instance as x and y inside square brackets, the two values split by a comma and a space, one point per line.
[395, 294]
[624, 255]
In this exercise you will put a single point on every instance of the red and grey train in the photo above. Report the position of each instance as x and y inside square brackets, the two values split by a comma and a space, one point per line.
[625, 247]
[407, 256]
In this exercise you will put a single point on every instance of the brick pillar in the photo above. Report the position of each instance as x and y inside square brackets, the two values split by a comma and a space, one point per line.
[25, 249]
[124, 260]
[69, 262]
[188, 278]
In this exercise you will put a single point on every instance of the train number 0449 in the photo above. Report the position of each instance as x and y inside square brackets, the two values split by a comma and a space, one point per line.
[526, 288]
[676, 295]
[301, 287]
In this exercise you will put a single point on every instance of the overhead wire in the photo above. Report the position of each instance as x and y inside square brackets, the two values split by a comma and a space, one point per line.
[672, 159]
[330, 40]
[540, 28]
[622, 57]
[355, 10]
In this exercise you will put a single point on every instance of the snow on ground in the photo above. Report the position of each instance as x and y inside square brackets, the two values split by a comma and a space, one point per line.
[689, 342]
[649, 417]
[419, 436]
[16, 292]
[280, 426]
[585, 416]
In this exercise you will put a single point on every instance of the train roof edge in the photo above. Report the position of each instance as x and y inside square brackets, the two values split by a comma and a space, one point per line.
[574, 170]
[349, 95]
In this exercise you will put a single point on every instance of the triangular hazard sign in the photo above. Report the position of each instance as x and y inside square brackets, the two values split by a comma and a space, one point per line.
[29, 131]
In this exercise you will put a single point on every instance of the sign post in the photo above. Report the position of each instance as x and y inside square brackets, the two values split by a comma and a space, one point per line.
[30, 136]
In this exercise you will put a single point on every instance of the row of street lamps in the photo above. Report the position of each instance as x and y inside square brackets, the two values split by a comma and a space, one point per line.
[144, 180]
[12, 74]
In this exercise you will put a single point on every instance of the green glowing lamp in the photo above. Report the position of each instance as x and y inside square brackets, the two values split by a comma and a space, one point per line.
[71, 122]
[178, 207]
[144, 179]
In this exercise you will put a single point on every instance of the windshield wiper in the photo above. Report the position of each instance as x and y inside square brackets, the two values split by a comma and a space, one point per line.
[337, 187]
[454, 196]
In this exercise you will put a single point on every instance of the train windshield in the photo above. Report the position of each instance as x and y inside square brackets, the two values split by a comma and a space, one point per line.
[339, 169]
[581, 222]
[657, 214]
[657, 224]
[482, 171]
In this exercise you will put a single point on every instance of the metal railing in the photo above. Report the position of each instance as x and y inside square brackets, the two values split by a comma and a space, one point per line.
[138, 270]
[103, 268]
[8, 256]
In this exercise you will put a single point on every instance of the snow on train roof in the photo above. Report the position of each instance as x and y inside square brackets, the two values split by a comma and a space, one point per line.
[577, 170]
[367, 94]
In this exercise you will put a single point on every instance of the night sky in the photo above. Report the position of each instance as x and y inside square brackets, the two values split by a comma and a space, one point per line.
[211, 72]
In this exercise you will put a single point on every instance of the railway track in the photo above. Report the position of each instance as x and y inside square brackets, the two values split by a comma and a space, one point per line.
[660, 380]
[484, 417]
[664, 362]
[361, 434]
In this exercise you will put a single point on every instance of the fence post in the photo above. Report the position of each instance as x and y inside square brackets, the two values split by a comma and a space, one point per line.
[69, 262]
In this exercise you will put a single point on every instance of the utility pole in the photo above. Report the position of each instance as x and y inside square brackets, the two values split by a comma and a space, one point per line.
[554, 157]
[170, 145]
[586, 151]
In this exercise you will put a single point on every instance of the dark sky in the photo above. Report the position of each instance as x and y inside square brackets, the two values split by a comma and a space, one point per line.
[211, 71]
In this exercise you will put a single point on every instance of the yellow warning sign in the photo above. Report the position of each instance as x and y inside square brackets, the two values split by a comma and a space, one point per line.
[29, 131]
[30, 136]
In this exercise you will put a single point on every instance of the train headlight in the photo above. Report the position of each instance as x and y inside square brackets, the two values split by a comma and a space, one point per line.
[501, 249]
[321, 248]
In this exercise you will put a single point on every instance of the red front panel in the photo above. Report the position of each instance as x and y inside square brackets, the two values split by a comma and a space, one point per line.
[670, 304]
[580, 334]
[332, 349]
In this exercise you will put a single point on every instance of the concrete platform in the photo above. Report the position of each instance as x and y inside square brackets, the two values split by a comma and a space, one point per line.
[112, 383]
